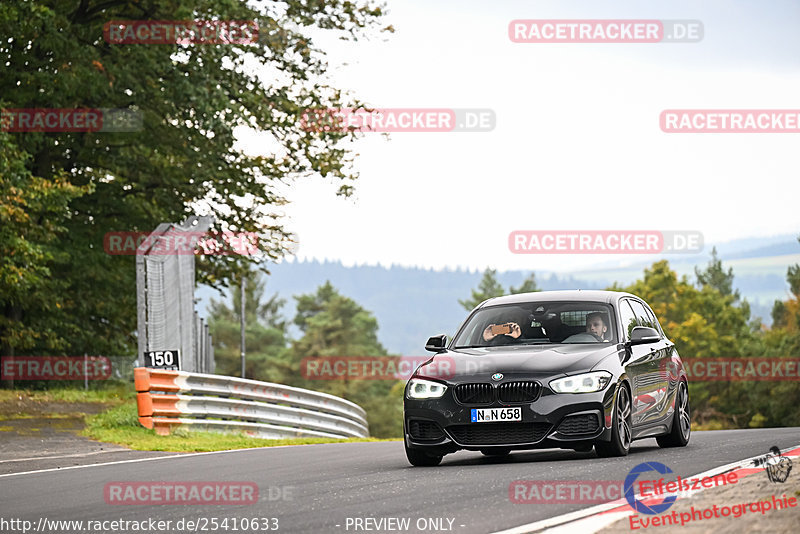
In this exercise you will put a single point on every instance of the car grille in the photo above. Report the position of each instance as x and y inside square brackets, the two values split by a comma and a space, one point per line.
[579, 424]
[507, 392]
[518, 391]
[498, 433]
[424, 430]
[474, 393]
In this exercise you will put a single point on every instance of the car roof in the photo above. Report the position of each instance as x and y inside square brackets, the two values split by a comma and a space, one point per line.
[578, 295]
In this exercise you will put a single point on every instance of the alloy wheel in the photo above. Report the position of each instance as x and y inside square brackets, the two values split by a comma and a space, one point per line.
[683, 411]
[623, 414]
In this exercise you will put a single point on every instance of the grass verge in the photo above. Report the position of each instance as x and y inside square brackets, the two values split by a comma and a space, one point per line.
[120, 425]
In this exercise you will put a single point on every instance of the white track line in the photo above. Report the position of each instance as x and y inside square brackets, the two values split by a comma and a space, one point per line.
[179, 455]
[76, 455]
[589, 525]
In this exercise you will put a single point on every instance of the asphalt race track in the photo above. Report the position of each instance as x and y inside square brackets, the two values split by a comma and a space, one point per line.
[316, 488]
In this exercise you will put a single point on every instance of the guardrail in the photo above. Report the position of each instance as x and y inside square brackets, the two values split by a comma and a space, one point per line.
[225, 404]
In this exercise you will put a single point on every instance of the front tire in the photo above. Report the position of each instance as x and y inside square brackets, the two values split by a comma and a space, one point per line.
[681, 421]
[419, 458]
[620, 442]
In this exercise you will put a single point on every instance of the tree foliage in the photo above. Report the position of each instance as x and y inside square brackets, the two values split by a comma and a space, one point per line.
[710, 321]
[266, 338]
[335, 325]
[489, 287]
[183, 161]
[715, 276]
[330, 324]
[528, 286]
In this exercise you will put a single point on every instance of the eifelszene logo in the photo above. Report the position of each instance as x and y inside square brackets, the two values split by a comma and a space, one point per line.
[640, 506]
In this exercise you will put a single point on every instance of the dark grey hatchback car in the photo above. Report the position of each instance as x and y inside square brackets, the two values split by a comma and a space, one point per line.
[555, 369]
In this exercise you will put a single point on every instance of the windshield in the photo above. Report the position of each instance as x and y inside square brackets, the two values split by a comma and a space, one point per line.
[539, 323]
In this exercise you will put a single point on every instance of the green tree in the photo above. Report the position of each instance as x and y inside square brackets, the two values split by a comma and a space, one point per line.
[703, 323]
[778, 403]
[266, 342]
[335, 325]
[786, 314]
[34, 213]
[527, 286]
[182, 161]
[488, 288]
[715, 276]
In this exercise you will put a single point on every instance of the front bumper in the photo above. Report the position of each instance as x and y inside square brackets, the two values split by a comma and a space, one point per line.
[441, 426]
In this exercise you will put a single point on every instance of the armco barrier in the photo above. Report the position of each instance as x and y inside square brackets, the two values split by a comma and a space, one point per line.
[167, 399]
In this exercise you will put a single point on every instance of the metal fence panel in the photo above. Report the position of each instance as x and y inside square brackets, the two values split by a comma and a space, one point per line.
[166, 316]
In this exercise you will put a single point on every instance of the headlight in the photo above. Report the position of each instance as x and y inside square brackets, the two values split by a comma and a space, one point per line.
[585, 383]
[425, 389]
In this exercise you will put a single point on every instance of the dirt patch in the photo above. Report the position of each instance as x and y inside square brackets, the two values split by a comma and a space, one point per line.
[44, 434]
[19, 405]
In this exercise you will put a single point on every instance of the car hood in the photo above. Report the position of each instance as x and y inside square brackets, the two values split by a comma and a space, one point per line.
[519, 361]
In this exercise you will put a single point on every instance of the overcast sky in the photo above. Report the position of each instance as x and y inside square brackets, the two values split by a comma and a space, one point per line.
[577, 143]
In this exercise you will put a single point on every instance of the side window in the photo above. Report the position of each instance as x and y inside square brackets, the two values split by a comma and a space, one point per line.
[627, 317]
[642, 316]
[653, 318]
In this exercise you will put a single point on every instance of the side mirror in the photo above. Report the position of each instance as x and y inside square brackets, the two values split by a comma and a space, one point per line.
[644, 334]
[436, 343]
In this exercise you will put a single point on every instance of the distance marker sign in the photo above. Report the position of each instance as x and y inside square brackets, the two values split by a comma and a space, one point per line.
[163, 359]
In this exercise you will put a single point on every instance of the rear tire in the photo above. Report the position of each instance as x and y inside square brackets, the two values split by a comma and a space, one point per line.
[495, 452]
[681, 421]
[620, 442]
[420, 458]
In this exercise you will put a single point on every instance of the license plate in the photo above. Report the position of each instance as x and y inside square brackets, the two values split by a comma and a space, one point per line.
[488, 415]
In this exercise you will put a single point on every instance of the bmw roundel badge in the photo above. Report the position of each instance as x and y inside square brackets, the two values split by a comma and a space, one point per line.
[497, 376]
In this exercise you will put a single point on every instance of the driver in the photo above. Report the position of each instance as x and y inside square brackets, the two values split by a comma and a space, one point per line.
[596, 324]
[512, 330]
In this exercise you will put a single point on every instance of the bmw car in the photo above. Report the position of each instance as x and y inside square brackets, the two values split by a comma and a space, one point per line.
[554, 369]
